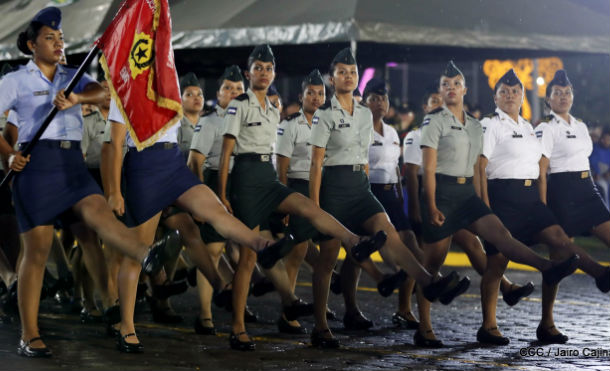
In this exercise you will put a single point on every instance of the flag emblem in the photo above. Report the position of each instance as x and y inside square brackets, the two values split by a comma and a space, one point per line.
[141, 55]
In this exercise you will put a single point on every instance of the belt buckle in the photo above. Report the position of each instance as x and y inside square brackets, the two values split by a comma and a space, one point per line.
[167, 145]
[357, 167]
[528, 182]
[387, 187]
[265, 158]
[461, 180]
[65, 144]
[584, 174]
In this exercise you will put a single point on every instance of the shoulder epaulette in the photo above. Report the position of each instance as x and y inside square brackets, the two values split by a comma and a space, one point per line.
[439, 109]
[491, 115]
[293, 116]
[213, 110]
[242, 97]
[578, 119]
[471, 116]
[90, 114]
[326, 105]
[547, 118]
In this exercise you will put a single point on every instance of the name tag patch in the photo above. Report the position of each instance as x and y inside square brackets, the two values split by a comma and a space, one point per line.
[345, 125]
[231, 110]
[570, 136]
[517, 135]
[377, 143]
[455, 127]
[41, 92]
[253, 124]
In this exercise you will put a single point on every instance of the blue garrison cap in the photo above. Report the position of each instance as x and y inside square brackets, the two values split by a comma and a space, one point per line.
[272, 91]
[509, 79]
[50, 16]
[375, 86]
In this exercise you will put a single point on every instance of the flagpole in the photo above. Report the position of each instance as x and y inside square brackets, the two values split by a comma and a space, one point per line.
[47, 121]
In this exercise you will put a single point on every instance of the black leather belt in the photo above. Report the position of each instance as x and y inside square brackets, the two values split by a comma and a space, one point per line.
[454, 179]
[358, 167]
[253, 157]
[57, 144]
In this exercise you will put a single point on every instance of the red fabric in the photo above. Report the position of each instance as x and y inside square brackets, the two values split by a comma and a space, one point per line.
[144, 84]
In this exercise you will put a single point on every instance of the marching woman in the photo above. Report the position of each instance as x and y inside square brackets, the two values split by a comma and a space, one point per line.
[452, 142]
[510, 159]
[251, 124]
[54, 178]
[464, 239]
[566, 146]
[341, 134]
[203, 160]
[294, 162]
[155, 178]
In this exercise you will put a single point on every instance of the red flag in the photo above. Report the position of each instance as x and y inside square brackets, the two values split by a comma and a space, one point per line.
[138, 60]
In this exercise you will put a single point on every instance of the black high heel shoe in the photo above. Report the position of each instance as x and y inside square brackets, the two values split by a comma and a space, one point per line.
[204, 330]
[422, 342]
[486, 337]
[153, 262]
[297, 309]
[560, 270]
[268, 256]
[319, 341]
[365, 248]
[26, 350]
[391, 282]
[241, 345]
[544, 336]
[126, 347]
[513, 296]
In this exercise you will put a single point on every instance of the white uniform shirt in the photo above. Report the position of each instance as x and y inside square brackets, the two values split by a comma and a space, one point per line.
[185, 135]
[171, 135]
[208, 138]
[567, 145]
[293, 142]
[30, 94]
[383, 156]
[511, 147]
[412, 153]
[94, 128]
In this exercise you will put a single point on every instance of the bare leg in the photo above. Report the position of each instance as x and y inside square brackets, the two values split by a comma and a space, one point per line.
[434, 256]
[602, 232]
[96, 213]
[36, 246]
[128, 279]
[490, 283]
[329, 250]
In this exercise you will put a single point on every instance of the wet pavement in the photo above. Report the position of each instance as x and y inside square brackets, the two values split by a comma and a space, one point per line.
[581, 312]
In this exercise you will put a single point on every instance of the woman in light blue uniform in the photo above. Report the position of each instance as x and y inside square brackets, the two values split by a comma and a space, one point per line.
[54, 178]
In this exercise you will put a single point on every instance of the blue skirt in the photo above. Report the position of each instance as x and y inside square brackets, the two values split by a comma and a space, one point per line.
[52, 182]
[386, 194]
[576, 202]
[517, 204]
[154, 178]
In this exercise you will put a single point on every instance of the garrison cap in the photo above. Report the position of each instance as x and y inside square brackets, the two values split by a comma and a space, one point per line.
[314, 78]
[345, 56]
[560, 79]
[510, 78]
[451, 70]
[50, 16]
[232, 73]
[375, 86]
[190, 79]
[262, 53]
